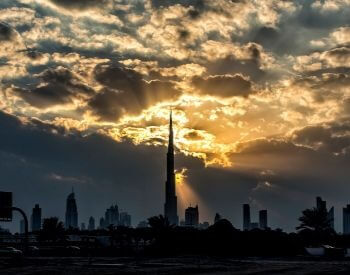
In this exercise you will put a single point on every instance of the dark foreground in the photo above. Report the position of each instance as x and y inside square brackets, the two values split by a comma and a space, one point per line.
[179, 265]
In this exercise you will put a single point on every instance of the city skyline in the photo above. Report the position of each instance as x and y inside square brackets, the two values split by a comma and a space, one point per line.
[259, 93]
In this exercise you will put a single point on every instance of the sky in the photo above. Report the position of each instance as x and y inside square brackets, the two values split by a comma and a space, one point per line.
[260, 93]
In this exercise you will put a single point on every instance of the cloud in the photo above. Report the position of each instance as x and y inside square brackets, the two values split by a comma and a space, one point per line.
[224, 85]
[6, 32]
[59, 87]
[79, 4]
[127, 93]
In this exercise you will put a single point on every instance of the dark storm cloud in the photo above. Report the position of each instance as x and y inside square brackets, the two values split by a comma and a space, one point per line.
[78, 4]
[127, 93]
[45, 96]
[6, 32]
[332, 138]
[60, 87]
[338, 56]
[223, 85]
[250, 65]
[199, 4]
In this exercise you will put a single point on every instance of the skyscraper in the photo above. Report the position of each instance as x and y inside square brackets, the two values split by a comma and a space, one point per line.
[102, 223]
[91, 225]
[71, 211]
[246, 217]
[125, 219]
[192, 216]
[36, 218]
[112, 216]
[346, 220]
[322, 206]
[263, 219]
[170, 206]
[330, 216]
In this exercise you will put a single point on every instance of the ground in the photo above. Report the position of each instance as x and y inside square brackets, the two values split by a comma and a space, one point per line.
[179, 265]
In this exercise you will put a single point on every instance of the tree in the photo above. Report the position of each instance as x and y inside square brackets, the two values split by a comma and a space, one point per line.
[315, 219]
[53, 230]
[159, 223]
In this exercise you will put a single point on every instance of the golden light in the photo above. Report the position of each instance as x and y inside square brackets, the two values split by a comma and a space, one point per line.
[187, 196]
[180, 176]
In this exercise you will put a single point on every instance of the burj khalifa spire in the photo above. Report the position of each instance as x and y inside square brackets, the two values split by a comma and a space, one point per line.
[170, 206]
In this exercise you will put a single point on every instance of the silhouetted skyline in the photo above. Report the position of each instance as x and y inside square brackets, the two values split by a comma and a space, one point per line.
[259, 93]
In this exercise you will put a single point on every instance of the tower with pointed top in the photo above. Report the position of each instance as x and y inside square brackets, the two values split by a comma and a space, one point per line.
[170, 206]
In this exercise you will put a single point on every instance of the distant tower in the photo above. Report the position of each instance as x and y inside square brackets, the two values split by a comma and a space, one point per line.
[346, 220]
[36, 218]
[112, 216]
[192, 216]
[91, 225]
[170, 206]
[330, 216]
[246, 217]
[102, 223]
[125, 219]
[83, 227]
[263, 219]
[71, 212]
[321, 205]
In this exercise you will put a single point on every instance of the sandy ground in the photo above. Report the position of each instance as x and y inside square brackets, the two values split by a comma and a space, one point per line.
[180, 265]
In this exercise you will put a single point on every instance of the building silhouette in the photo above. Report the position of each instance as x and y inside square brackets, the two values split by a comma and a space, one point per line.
[91, 225]
[330, 216]
[246, 217]
[102, 223]
[346, 220]
[263, 219]
[36, 218]
[125, 219]
[112, 216]
[71, 211]
[321, 205]
[83, 227]
[170, 206]
[192, 216]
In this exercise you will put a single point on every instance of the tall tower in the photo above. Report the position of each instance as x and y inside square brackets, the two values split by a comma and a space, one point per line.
[170, 206]
[263, 219]
[346, 220]
[36, 218]
[71, 212]
[246, 217]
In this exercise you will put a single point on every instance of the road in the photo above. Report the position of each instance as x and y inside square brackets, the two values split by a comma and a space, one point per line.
[178, 265]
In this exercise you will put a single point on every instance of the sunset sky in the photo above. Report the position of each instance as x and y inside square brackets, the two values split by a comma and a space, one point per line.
[260, 93]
